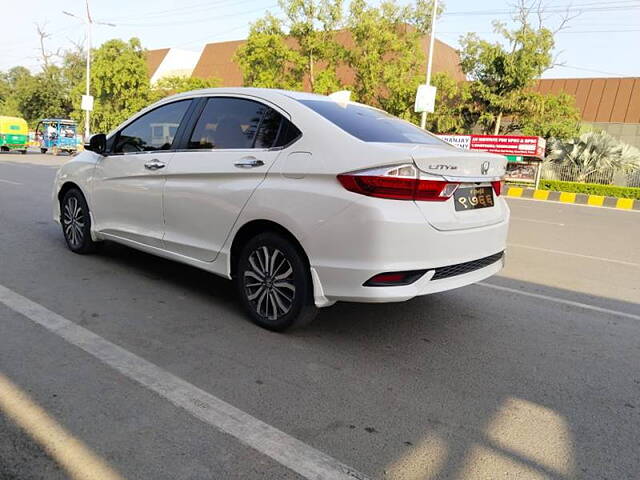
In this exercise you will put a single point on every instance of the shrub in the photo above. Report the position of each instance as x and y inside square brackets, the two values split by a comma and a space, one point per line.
[594, 152]
[590, 189]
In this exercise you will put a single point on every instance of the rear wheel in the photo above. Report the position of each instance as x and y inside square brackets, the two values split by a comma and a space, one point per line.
[43, 150]
[76, 222]
[274, 282]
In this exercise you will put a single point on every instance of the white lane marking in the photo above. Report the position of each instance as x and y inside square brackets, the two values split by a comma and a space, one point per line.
[284, 449]
[584, 306]
[10, 182]
[537, 221]
[579, 255]
[573, 204]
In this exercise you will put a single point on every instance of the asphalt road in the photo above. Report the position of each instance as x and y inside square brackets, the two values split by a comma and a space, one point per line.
[533, 374]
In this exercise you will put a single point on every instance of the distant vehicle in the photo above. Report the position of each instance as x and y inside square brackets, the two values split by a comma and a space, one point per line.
[299, 198]
[57, 135]
[14, 134]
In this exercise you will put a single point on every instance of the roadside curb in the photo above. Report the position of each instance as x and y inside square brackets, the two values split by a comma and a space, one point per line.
[577, 198]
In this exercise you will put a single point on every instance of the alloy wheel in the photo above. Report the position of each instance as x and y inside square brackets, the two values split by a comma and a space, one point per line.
[73, 222]
[268, 283]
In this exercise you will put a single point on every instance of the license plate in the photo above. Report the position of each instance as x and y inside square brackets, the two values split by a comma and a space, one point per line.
[472, 198]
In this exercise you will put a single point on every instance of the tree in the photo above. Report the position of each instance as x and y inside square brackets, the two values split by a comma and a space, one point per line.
[500, 73]
[266, 60]
[43, 95]
[594, 152]
[386, 56]
[10, 82]
[313, 26]
[455, 112]
[548, 116]
[119, 84]
[171, 85]
[308, 51]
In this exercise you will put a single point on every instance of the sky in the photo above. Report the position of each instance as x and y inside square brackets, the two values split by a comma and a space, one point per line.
[603, 40]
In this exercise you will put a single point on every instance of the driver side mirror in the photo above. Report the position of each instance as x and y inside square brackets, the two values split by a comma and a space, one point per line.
[97, 143]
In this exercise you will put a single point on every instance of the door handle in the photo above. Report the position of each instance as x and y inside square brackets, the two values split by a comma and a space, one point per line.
[249, 163]
[154, 164]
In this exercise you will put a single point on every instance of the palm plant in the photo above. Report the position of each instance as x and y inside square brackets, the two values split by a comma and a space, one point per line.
[594, 153]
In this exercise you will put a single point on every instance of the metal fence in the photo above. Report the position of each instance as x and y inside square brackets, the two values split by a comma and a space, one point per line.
[570, 173]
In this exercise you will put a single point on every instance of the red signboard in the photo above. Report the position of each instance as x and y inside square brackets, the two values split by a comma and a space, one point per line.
[516, 145]
[509, 145]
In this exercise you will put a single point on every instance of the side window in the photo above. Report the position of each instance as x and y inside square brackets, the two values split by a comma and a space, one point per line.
[153, 131]
[269, 128]
[288, 134]
[235, 123]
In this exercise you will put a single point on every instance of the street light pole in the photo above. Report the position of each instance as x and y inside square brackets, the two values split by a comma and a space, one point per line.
[87, 112]
[89, 21]
[423, 118]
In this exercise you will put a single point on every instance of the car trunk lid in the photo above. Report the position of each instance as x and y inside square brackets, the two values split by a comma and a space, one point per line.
[470, 169]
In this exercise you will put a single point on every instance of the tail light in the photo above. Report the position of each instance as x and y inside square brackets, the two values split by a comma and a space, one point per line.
[498, 186]
[399, 183]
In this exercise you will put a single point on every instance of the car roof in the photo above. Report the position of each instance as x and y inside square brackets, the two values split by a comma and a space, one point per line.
[264, 92]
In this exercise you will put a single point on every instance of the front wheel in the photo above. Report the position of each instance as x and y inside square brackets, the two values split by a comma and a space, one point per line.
[43, 150]
[274, 282]
[76, 222]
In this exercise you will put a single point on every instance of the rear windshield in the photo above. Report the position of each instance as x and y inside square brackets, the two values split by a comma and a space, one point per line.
[369, 124]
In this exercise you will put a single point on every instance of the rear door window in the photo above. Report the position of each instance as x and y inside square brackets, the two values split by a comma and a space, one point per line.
[237, 123]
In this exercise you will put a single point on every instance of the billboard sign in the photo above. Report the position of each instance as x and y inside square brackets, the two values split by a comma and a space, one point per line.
[517, 145]
[460, 141]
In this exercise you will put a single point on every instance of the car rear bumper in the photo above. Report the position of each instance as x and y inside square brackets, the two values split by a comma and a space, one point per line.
[407, 245]
[423, 286]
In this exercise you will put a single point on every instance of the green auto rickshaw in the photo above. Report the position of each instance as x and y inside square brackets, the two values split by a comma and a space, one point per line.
[14, 134]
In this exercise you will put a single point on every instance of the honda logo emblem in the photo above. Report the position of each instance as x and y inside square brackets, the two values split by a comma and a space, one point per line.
[484, 168]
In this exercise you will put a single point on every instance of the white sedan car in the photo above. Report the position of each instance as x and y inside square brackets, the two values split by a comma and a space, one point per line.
[300, 199]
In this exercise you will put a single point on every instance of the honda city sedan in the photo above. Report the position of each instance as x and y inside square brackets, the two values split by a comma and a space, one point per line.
[301, 199]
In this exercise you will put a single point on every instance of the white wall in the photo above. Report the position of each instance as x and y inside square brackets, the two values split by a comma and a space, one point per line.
[176, 63]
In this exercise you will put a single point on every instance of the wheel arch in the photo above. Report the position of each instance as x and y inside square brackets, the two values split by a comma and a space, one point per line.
[255, 227]
[66, 186]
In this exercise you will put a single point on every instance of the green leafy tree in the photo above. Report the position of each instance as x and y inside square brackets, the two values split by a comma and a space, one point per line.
[307, 52]
[266, 60]
[43, 95]
[386, 56]
[455, 112]
[177, 84]
[548, 116]
[74, 66]
[500, 72]
[119, 84]
[12, 83]
[316, 53]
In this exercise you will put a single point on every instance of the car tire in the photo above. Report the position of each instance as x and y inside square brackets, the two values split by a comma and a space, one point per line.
[76, 222]
[274, 283]
[43, 150]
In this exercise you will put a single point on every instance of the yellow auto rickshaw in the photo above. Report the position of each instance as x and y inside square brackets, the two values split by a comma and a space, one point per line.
[14, 134]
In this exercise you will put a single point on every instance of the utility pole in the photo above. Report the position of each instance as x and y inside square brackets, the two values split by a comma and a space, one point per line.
[87, 99]
[423, 118]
